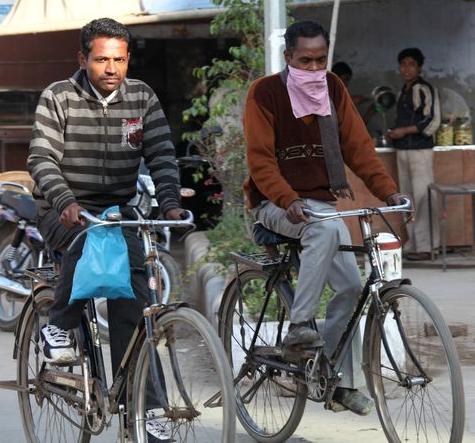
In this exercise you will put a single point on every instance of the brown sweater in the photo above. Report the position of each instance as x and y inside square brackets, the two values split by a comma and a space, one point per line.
[285, 156]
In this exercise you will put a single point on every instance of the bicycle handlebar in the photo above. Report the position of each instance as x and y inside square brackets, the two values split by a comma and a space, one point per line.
[96, 222]
[363, 212]
[188, 221]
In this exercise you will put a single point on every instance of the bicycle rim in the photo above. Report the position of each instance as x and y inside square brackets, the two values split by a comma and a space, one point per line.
[428, 404]
[270, 403]
[193, 361]
[47, 417]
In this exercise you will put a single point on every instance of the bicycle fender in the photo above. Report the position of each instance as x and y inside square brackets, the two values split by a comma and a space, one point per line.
[19, 326]
[393, 284]
[171, 307]
[223, 304]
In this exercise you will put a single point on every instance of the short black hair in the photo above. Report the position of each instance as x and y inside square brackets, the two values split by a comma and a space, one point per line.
[342, 68]
[102, 27]
[414, 53]
[307, 29]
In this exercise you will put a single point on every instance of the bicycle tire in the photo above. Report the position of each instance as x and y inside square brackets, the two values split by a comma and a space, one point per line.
[275, 386]
[40, 408]
[171, 285]
[10, 304]
[429, 405]
[201, 368]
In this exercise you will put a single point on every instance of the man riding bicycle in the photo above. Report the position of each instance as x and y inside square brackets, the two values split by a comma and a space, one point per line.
[301, 127]
[90, 133]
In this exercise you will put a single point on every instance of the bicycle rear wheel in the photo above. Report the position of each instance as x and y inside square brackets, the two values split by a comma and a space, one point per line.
[49, 413]
[198, 382]
[427, 403]
[270, 403]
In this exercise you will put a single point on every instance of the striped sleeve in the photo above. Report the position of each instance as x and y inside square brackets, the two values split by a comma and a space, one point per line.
[46, 151]
[160, 157]
[424, 95]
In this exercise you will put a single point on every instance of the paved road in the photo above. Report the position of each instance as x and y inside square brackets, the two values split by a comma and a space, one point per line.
[453, 291]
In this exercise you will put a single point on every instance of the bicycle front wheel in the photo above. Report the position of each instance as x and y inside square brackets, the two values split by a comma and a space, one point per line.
[425, 401]
[50, 413]
[196, 380]
[270, 402]
[170, 276]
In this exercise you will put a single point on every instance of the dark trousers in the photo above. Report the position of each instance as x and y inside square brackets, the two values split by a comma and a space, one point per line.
[123, 314]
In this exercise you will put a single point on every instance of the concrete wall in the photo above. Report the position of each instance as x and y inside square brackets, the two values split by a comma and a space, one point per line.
[371, 33]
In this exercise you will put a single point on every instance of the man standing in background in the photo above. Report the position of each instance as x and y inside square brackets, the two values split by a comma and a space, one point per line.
[418, 118]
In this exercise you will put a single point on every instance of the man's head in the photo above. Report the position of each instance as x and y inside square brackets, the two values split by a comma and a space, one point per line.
[306, 46]
[343, 71]
[104, 54]
[410, 64]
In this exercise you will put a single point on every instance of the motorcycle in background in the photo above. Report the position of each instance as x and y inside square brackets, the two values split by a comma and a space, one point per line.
[205, 203]
[21, 247]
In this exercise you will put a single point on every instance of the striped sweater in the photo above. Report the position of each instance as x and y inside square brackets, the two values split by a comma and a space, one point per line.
[86, 152]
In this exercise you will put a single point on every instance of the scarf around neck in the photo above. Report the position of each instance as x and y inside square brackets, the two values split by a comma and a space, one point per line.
[328, 125]
[308, 92]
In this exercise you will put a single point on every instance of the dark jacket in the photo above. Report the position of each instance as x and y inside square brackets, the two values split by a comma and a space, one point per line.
[418, 105]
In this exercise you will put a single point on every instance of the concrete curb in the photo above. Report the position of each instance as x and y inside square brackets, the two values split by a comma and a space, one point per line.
[206, 283]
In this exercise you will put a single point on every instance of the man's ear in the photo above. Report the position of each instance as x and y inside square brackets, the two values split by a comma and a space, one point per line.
[287, 56]
[82, 60]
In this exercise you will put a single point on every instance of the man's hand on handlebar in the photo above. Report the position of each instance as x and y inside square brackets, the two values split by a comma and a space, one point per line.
[175, 214]
[71, 216]
[295, 213]
[397, 199]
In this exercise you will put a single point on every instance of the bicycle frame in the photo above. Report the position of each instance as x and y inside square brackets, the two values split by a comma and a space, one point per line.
[150, 314]
[370, 294]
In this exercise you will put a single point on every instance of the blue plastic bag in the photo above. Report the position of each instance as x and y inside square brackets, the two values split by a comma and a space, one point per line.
[103, 269]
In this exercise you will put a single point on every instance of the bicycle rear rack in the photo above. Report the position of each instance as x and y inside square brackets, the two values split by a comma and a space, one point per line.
[258, 260]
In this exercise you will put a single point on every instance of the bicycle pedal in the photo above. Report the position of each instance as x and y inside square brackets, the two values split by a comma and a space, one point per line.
[268, 351]
[76, 362]
[294, 353]
[298, 353]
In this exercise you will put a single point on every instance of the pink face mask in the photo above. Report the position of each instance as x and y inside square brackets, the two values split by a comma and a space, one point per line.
[308, 92]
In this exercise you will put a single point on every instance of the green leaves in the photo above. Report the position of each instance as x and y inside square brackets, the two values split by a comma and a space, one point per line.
[244, 20]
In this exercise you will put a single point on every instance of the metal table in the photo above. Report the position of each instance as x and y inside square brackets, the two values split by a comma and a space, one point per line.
[444, 191]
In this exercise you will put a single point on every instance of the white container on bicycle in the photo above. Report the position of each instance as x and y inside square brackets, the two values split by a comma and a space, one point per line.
[389, 251]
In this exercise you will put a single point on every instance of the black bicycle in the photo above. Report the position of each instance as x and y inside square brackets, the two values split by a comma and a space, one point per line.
[409, 358]
[174, 358]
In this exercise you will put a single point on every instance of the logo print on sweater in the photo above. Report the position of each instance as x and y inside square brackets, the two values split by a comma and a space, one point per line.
[300, 151]
[132, 133]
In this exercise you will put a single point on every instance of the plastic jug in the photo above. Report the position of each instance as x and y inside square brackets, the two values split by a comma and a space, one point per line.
[390, 256]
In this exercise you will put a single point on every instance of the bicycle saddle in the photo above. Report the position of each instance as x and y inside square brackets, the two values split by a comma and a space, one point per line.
[265, 237]
[23, 204]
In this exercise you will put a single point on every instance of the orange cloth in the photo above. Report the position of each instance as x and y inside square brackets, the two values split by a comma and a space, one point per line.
[285, 156]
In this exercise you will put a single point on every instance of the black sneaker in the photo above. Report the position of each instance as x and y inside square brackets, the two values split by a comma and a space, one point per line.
[301, 334]
[57, 345]
[353, 400]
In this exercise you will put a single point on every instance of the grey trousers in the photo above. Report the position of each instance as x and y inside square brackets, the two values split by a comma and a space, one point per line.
[415, 170]
[321, 263]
